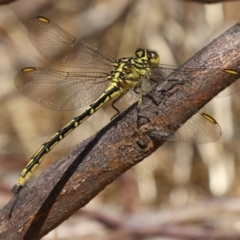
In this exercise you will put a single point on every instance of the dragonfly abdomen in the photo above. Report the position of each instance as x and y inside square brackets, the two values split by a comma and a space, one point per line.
[113, 91]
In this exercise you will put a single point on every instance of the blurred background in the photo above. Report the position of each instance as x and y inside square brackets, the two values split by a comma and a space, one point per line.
[193, 186]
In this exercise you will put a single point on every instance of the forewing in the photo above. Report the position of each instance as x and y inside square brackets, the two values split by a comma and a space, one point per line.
[60, 90]
[57, 46]
[163, 73]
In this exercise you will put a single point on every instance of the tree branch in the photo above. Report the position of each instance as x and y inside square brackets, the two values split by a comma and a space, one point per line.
[74, 180]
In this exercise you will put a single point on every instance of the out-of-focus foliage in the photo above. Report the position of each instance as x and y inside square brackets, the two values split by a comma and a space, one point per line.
[177, 176]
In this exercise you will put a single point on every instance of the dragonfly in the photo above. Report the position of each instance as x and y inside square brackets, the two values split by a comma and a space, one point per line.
[105, 79]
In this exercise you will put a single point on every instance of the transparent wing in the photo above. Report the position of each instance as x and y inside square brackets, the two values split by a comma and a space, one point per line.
[57, 46]
[200, 128]
[133, 96]
[126, 100]
[60, 90]
[163, 72]
[233, 88]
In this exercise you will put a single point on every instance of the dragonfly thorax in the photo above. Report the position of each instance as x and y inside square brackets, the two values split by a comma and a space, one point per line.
[128, 72]
[125, 74]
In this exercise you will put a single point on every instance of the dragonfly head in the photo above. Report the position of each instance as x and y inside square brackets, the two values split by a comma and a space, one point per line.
[146, 55]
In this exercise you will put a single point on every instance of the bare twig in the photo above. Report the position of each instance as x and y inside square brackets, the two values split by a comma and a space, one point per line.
[73, 181]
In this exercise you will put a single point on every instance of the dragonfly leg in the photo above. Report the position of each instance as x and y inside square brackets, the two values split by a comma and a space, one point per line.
[141, 119]
[115, 108]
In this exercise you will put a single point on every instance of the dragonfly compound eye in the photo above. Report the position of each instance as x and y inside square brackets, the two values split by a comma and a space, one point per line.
[154, 58]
